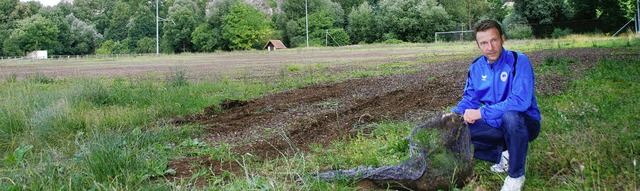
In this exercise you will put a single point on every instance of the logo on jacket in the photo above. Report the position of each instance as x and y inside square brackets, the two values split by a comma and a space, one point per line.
[484, 77]
[503, 76]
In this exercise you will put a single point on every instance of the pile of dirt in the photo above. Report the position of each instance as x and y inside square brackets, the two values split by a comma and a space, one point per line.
[291, 121]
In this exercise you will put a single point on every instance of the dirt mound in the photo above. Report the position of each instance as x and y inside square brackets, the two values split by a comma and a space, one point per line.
[291, 121]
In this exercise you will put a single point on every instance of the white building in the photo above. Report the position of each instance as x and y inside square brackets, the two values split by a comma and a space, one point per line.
[38, 54]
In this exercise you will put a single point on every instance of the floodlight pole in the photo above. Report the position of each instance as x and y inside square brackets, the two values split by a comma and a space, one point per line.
[157, 31]
[306, 17]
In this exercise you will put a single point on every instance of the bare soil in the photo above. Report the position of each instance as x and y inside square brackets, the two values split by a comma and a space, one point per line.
[286, 122]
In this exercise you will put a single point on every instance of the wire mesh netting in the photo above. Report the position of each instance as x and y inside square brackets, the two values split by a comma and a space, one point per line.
[440, 158]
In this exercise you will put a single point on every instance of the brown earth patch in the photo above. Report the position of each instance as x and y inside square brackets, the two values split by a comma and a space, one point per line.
[291, 121]
[186, 167]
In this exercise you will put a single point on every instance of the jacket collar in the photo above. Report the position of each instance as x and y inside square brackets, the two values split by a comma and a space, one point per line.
[498, 63]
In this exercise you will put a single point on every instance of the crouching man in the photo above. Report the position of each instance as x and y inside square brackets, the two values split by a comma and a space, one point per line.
[499, 105]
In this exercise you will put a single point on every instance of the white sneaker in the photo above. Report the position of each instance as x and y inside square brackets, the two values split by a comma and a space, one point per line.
[513, 184]
[503, 166]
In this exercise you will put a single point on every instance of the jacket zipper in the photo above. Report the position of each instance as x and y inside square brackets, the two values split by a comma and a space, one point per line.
[493, 90]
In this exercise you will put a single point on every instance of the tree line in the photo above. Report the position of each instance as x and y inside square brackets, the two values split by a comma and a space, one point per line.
[129, 26]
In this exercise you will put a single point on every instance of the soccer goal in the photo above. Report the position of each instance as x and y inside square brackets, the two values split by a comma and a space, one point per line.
[450, 36]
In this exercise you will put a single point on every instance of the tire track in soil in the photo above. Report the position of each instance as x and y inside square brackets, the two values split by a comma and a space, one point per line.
[291, 121]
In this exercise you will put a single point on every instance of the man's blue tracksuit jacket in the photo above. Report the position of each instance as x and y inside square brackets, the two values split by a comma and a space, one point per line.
[494, 89]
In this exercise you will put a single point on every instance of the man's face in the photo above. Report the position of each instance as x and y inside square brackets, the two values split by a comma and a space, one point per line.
[490, 43]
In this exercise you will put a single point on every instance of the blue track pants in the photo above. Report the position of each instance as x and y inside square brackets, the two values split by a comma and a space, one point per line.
[514, 135]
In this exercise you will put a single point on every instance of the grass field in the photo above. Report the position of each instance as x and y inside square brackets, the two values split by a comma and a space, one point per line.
[90, 128]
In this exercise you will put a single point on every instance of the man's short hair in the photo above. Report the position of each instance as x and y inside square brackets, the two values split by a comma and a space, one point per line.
[486, 25]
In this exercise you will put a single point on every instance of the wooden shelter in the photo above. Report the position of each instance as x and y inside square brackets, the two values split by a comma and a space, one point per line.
[274, 45]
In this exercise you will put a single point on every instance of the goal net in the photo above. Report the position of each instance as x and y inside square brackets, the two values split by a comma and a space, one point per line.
[453, 36]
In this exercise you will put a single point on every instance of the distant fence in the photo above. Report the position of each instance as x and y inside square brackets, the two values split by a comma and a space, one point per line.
[79, 56]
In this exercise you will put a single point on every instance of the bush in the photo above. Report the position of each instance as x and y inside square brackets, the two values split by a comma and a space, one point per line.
[519, 32]
[146, 45]
[393, 41]
[559, 33]
[107, 47]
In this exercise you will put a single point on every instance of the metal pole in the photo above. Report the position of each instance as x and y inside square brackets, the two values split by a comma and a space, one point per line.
[637, 16]
[157, 33]
[306, 16]
[625, 25]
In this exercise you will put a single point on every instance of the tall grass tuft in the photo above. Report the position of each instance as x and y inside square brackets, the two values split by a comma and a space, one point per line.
[41, 78]
[177, 77]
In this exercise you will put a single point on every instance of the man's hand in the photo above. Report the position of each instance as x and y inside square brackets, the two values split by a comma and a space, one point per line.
[471, 115]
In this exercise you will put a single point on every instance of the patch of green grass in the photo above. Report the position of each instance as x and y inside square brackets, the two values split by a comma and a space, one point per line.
[555, 66]
[362, 74]
[385, 145]
[293, 68]
[40, 78]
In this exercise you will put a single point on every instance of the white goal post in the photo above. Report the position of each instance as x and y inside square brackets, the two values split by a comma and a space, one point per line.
[454, 32]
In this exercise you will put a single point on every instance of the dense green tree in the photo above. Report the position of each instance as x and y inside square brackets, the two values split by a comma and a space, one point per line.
[12, 45]
[6, 23]
[294, 10]
[125, 46]
[33, 33]
[6, 8]
[599, 15]
[348, 5]
[202, 9]
[217, 10]
[630, 8]
[295, 33]
[117, 29]
[142, 24]
[244, 26]
[319, 23]
[4, 32]
[516, 26]
[10, 12]
[94, 12]
[413, 20]
[177, 32]
[189, 4]
[25, 10]
[205, 38]
[83, 38]
[57, 15]
[362, 26]
[468, 12]
[544, 15]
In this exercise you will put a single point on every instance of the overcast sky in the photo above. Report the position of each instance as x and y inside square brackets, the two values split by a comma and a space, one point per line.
[46, 2]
